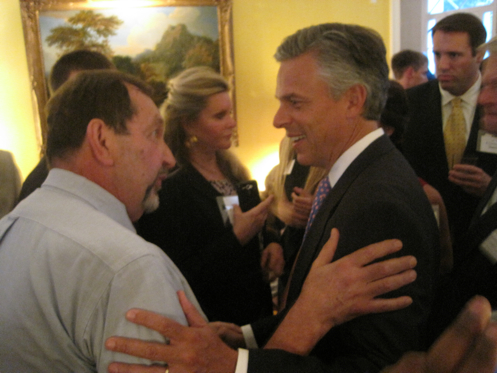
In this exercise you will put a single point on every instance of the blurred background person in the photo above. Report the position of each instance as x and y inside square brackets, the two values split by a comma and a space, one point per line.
[394, 119]
[293, 186]
[410, 68]
[10, 182]
[220, 260]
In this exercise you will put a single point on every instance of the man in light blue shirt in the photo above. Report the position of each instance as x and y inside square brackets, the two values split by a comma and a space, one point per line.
[71, 263]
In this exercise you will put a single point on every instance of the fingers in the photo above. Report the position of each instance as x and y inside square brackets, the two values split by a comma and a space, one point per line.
[453, 346]
[154, 321]
[483, 358]
[380, 270]
[192, 315]
[134, 368]
[328, 251]
[381, 305]
[375, 251]
[148, 350]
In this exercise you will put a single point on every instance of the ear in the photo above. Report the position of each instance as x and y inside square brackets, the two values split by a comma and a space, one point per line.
[100, 139]
[356, 97]
[409, 72]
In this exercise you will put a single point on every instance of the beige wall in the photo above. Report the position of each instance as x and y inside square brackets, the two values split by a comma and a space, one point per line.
[259, 26]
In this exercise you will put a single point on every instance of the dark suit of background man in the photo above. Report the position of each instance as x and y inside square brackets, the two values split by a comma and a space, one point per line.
[477, 271]
[455, 39]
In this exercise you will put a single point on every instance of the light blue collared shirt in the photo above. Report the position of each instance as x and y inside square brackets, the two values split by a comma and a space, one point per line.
[71, 265]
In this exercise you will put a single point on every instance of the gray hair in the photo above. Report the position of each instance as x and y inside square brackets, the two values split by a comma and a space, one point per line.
[346, 55]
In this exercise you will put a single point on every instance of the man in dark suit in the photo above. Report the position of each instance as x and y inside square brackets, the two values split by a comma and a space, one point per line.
[477, 271]
[332, 86]
[462, 176]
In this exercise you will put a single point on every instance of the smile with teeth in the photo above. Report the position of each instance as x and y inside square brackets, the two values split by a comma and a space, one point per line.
[297, 138]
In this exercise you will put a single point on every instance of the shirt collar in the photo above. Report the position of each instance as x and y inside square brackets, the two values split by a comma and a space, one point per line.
[89, 192]
[351, 154]
[470, 96]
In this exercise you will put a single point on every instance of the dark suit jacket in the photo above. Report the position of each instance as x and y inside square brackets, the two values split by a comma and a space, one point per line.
[474, 275]
[225, 277]
[424, 148]
[378, 197]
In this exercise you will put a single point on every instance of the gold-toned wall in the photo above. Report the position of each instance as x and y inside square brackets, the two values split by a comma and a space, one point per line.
[18, 132]
[258, 26]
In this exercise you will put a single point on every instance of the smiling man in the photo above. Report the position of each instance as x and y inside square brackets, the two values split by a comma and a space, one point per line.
[447, 153]
[70, 260]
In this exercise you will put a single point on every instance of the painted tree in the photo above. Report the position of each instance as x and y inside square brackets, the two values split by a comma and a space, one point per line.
[85, 30]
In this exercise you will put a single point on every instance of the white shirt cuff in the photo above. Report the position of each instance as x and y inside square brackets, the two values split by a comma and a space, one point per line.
[242, 362]
[248, 335]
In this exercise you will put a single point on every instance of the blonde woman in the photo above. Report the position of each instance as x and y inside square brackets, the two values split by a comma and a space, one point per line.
[220, 260]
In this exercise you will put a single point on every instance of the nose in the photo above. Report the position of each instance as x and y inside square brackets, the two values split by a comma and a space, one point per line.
[168, 160]
[281, 118]
[231, 122]
[442, 62]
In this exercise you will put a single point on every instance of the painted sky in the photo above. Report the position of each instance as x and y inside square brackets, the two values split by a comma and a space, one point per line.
[142, 28]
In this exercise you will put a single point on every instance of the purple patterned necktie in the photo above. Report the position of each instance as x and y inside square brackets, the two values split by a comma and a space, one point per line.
[324, 188]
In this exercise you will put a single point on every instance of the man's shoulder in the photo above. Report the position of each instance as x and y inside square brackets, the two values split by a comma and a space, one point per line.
[81, 227]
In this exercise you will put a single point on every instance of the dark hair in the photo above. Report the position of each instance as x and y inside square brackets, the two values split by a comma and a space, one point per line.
[346, 55]
[396, 112]
[91, 94]
[463, 22]
[402, 60]
[76, 61]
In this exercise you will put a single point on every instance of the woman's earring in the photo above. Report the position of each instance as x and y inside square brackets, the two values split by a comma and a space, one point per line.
[191, 141]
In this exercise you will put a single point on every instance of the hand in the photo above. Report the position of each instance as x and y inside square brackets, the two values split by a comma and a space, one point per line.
[471, 178]
[302, 201]
[336, 292]
[196, 348]
[272, 261]
[247, 224]
[286, 212]
[231, 334]
[467, 346]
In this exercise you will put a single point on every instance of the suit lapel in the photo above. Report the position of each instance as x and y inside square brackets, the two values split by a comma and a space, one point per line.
[318, 233]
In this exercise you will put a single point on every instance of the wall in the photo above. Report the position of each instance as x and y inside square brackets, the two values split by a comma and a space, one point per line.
[18, 131]
[259, 27]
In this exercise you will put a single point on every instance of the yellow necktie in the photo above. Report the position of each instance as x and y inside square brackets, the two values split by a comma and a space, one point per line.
[455, 134]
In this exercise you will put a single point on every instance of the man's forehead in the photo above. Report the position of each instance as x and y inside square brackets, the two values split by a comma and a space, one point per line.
[455, 38]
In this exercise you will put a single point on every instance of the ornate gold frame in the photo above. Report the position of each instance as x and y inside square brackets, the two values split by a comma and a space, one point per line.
[30, 11]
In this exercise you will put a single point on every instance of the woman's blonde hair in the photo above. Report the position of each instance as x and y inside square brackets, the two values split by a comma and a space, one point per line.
[276, 179]
[188, 94]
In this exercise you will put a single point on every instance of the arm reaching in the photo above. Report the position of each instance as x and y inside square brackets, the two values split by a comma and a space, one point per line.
[198, 348]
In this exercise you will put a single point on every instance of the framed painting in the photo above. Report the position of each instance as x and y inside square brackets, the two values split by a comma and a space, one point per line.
[153, 39]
